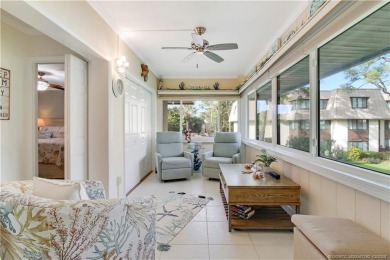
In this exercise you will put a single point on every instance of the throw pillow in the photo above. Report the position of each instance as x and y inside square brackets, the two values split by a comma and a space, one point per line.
[92, 190]
[55, 189]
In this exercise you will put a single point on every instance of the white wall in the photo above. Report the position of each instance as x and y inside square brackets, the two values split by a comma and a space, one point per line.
[51, 104]
[14, 161]
[17, 51]
[99, 45]
[339, 133]
[373, 135]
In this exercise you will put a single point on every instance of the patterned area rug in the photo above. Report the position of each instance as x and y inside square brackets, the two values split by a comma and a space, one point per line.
[173, 214]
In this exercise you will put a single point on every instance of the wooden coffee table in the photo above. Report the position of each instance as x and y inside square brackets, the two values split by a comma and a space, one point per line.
[265, 195]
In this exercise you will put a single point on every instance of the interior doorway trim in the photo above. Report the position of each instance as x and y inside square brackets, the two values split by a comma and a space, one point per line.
[31, 82]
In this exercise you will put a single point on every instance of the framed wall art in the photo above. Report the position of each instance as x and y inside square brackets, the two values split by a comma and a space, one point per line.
[5, 85]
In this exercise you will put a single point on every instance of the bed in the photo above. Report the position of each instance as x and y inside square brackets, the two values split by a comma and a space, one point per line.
[51, 152]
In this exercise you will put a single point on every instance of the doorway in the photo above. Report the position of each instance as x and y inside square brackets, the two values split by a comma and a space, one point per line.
[51, 120]
[69, 126]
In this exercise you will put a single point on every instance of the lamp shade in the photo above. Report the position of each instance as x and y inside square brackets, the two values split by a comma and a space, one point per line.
[41, 122]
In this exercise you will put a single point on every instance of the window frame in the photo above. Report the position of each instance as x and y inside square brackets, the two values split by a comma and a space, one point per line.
[354, 124]
[364, 180]
[182, 99]
[355, 105]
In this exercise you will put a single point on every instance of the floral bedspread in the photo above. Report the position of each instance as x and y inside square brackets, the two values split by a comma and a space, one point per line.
[51, 151]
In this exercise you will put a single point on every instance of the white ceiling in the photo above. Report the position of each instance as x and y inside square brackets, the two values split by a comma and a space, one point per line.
[147, 26]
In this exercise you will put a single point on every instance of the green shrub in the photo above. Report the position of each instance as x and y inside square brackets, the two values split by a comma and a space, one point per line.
[377, 155]
[353, 154]
[370, 160]
[299, 142]
[339, 154]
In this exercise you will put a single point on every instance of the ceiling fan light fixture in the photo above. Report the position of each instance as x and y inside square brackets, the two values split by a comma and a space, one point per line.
[41, 83]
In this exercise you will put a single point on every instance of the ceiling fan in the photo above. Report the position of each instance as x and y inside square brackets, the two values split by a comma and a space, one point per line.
[200, 45]
[44, 84]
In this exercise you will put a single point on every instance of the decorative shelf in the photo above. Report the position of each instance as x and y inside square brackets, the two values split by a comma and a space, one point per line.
[197, 92]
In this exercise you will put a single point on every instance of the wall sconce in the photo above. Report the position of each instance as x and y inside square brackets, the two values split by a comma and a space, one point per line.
[40, 123]
[121, 64]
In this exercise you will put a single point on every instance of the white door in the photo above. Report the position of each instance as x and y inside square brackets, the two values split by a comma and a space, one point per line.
[138, 147]
[76, 71]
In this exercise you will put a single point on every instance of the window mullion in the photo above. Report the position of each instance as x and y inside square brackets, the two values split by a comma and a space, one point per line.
[314, 109]
[275, 110]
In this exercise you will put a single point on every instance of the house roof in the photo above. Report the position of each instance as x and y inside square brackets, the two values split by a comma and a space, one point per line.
[340, 107]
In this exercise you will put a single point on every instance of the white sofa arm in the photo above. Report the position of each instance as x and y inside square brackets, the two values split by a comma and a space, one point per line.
[207, 155]
[158, 158]
[236, 158]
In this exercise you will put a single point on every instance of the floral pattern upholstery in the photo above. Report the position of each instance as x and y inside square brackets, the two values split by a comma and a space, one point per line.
[37, 228]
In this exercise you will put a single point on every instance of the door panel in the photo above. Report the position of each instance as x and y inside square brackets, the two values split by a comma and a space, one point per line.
[137, 134]
[75, 118]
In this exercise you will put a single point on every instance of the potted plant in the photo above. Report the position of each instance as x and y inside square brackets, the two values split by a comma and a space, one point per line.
[265, 159]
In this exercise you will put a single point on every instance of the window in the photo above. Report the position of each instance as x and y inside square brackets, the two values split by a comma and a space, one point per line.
[305, 125]
[388, 104]
[357, 124]
[294, 125]
[252, 116]
[359, 102]
[325, 124]
[173, 108]
[387, 143]
[387, 123]
[293, 88]
[300, 104]
[264, 113]
[202, 117]
[352, 77]
[323, 103]
[359, 144]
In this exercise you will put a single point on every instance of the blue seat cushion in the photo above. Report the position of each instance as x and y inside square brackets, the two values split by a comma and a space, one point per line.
[175, 163]
[213, 162]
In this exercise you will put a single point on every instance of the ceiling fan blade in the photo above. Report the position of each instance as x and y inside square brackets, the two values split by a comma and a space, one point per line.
[213, 56]
[223, 46]
[188, 57]
[57, 87]
[198, 40]
[176, 48]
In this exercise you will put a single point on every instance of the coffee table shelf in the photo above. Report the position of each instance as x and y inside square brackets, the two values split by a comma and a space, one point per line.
[265, 195]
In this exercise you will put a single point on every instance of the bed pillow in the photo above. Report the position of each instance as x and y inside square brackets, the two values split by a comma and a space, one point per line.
[45, 135]
[55, 189]
[58, 132]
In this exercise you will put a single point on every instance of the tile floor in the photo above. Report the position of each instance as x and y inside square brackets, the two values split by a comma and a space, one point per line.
[207, 236]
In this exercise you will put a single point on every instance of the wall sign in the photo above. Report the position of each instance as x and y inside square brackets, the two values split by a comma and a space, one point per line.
[5, 80]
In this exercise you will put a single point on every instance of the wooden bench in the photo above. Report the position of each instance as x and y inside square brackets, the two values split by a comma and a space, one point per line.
[317, 237]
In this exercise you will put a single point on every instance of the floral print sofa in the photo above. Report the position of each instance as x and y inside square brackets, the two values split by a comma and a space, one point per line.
[38, 228]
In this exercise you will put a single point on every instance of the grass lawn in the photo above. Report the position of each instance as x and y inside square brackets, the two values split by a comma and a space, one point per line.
[383, 167]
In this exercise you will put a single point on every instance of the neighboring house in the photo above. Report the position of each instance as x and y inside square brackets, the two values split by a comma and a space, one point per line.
[357, 118]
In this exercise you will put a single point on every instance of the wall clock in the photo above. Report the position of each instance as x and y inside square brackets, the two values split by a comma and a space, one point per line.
[118, 87]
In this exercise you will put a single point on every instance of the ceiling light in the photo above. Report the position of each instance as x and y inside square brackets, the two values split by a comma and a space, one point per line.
[42, 84]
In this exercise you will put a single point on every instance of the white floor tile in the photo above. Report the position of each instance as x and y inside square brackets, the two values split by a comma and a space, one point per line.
[272, 237]
[219, 235]
[232, 252]
[195, 233]
[207, 235]
[199, 252]
[275, 252]
[215, 213]
[201, 216]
